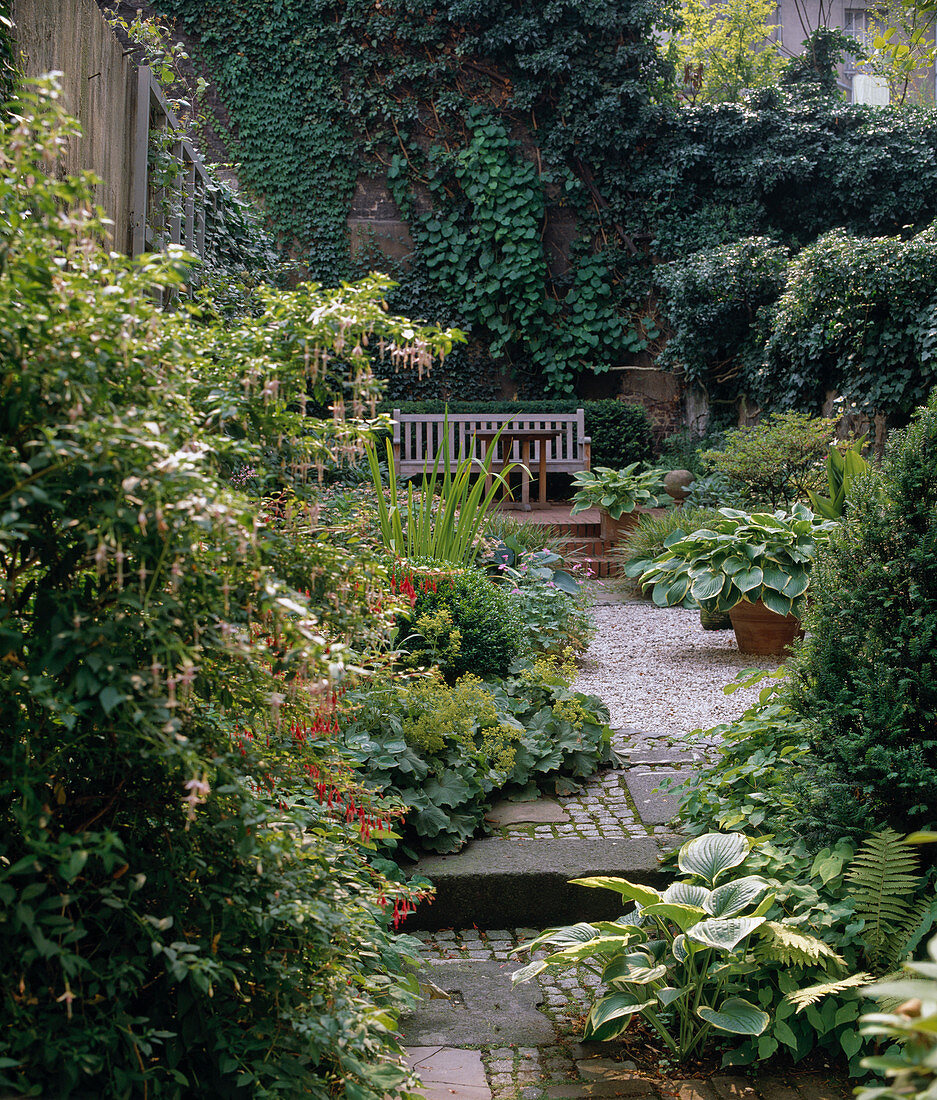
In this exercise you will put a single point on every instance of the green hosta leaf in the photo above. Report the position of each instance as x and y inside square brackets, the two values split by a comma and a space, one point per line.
[669, 994]
[601, 945]
[618, 1007]
[733, 897]
[633, 967]
[775, 578]
[777, 603]
[562, 937]
[684, 916]
[687, 893]
[724, 934]
[748, 579]
[708, 856]
[706, 586]
[643, 895]
[736, 1016]
[796, 585]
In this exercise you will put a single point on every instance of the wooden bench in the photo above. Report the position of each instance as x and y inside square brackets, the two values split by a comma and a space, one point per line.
[418, 438]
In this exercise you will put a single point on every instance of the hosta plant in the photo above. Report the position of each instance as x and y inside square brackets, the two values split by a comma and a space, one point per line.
[681, 957]
[763, 556]
[619, 491]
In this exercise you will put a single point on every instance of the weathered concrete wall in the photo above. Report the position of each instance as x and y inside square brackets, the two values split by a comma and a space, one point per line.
[99, 88]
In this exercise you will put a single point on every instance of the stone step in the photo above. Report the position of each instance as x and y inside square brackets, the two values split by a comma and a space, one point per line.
[512, 881]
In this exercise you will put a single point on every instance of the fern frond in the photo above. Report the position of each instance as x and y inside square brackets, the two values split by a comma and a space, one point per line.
[803, 998]
[883, 876]
[782, 943]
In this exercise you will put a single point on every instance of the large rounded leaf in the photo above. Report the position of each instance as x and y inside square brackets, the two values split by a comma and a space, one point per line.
[736, 1016]
[709, 855]
[612, 1014]
[706, 586]
[748, 579]
[777, 603]
[687, 893]
[723, 934]
[733, 897]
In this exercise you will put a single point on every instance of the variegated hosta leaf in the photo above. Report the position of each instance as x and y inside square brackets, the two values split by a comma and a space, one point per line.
[669, 994]
[572, 933]
[687, 893]
[531, 970]
[624, 968]
[708, 856]
[803, 998]
[644, 895]
[601, 945]
[614, 1007]
[724, 935]
[733, 897]
[736, 1016]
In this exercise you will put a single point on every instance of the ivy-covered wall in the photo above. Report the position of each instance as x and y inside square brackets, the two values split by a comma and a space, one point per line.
[524, 169]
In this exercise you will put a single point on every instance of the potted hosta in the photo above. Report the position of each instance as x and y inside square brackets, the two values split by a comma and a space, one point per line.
[619, 495]
[755, 566]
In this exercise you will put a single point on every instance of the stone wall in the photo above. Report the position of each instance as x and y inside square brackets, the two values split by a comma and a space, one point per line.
[99, 88]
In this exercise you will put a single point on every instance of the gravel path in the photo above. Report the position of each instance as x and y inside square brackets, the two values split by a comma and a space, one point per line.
[658, 671]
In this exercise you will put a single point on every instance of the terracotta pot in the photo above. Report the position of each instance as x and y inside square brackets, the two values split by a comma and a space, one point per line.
[760, 630]
[614, 530]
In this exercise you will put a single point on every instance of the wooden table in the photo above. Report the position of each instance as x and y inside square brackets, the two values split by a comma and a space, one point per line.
[507, 437]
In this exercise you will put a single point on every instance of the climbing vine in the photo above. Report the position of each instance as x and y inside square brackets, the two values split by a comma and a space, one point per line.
[541, 161]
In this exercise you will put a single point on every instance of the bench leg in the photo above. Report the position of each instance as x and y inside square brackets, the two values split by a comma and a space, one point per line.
[542, 476]
[525, 476]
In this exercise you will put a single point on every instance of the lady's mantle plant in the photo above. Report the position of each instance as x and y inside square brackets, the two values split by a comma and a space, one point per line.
[180, 912]
[764, 556]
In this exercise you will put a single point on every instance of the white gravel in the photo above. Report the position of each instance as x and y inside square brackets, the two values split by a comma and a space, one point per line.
[659, 672]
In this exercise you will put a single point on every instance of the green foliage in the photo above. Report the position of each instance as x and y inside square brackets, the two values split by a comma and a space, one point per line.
[487, 621]
[866, 682]
[646, 540]
[713, 303]
[843, 466]
[179, 915]
[729, 43]
[446, 750]
[682, 957]
[620, 433]
[909, 1065]
[442, 519]
[883, 876]
[748, 783]
[856, 316]
[619, 492]
[762, 556]
[777, 461]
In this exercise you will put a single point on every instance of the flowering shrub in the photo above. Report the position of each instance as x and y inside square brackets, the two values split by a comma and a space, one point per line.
[185, 893]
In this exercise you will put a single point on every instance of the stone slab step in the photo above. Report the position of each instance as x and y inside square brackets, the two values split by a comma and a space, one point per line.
[512, 882]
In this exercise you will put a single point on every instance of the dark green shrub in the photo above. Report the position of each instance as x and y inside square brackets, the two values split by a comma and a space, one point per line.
[620, 433]
[867, 677]
[462, 623]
